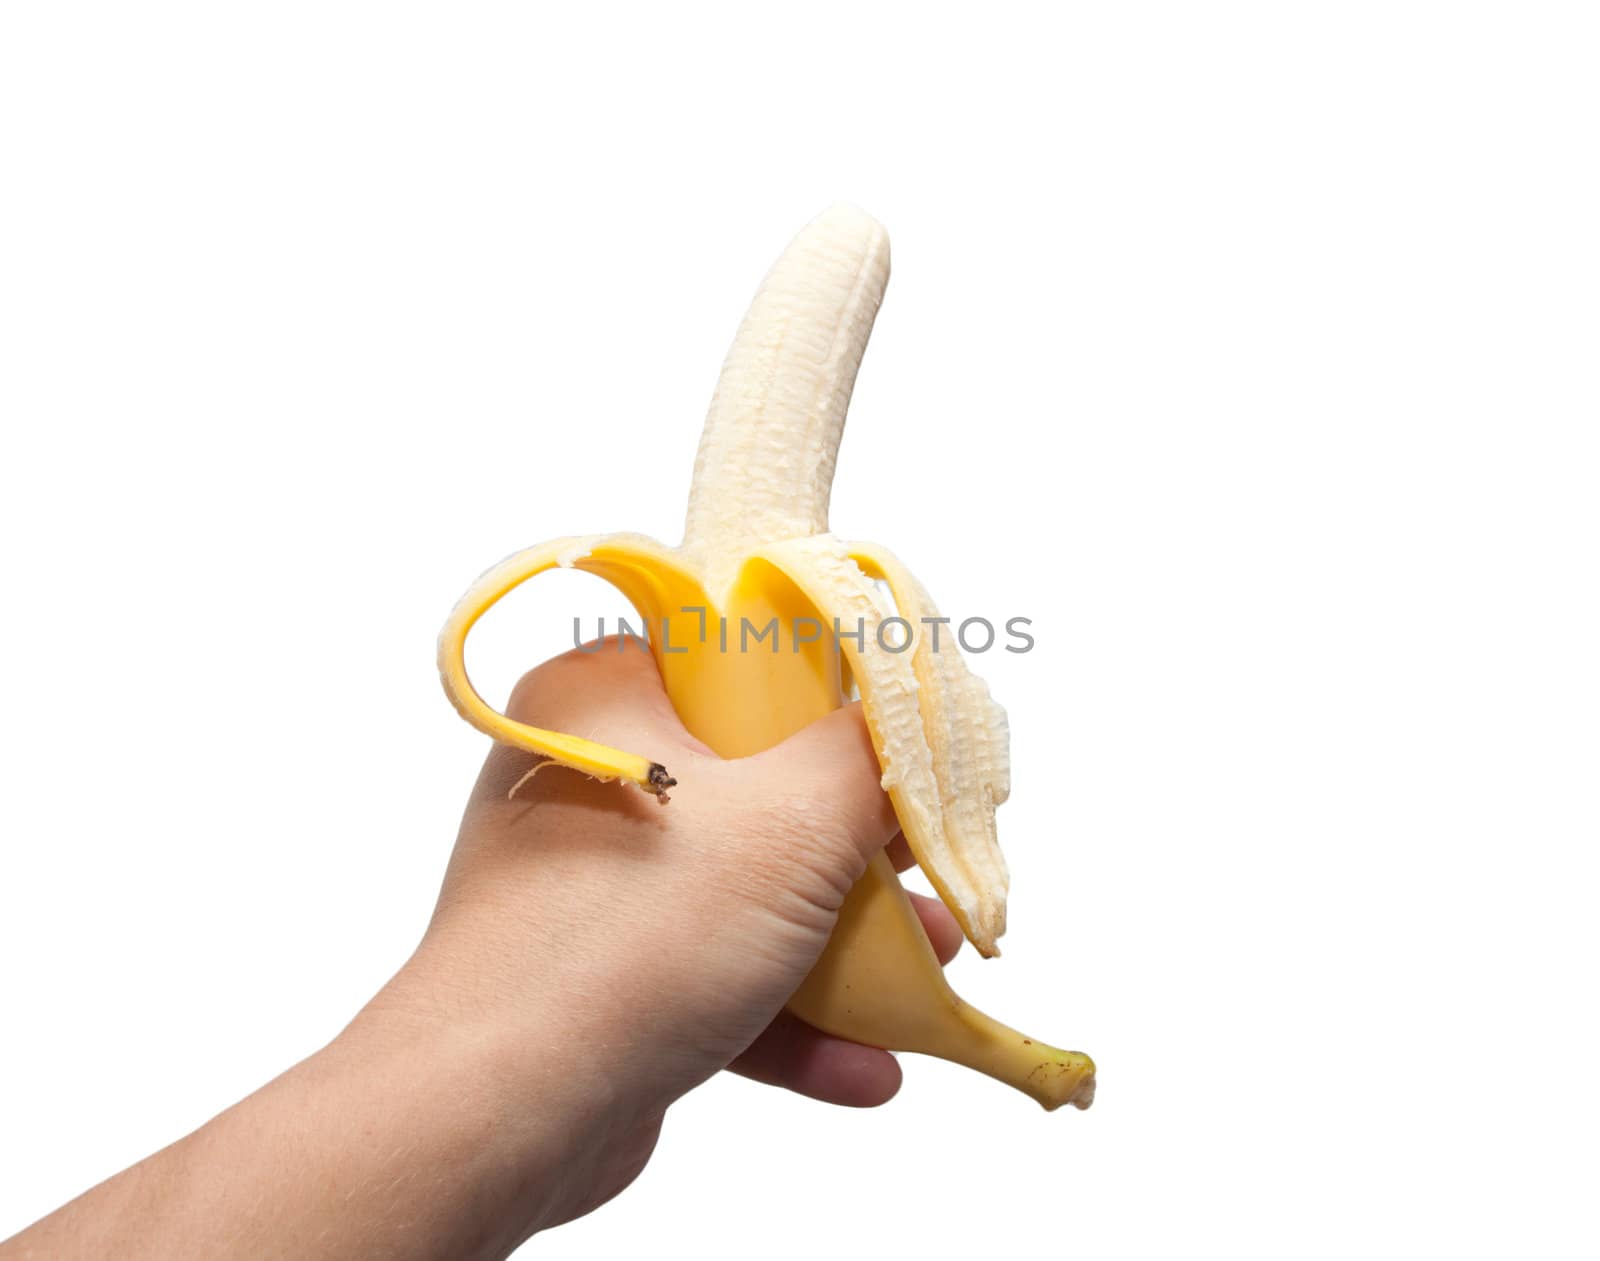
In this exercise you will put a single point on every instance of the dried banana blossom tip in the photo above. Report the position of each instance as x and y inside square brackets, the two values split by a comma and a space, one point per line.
[658, 781]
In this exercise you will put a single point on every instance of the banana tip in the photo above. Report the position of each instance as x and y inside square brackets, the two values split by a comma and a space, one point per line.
[659, 781]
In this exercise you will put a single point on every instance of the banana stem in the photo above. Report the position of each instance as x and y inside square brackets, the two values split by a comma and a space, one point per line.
[1049, 1076]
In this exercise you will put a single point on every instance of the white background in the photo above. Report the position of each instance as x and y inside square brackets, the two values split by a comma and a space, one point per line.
[1248, 348]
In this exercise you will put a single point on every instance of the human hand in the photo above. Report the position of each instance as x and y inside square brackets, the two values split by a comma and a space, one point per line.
[616, 953]
[592, 957]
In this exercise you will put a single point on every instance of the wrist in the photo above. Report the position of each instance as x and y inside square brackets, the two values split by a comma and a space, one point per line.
[450, 1099]
[521, 1092]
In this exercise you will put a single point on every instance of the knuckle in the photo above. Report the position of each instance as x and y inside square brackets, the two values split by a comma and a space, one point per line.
[534, 695]
[555, 687]
[806, 842]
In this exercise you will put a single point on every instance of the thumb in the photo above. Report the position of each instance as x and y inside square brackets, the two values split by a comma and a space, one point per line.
[830, 770]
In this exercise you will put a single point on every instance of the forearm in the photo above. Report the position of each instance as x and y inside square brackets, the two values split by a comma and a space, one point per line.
[400, 1139]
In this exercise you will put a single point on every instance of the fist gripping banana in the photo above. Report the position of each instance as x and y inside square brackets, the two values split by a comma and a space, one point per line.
[756, 550]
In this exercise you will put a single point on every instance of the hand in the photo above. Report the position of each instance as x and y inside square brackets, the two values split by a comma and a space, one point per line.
[593, 956]
[643, 947]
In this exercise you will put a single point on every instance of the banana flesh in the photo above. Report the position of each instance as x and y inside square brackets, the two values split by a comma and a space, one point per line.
[756, 548]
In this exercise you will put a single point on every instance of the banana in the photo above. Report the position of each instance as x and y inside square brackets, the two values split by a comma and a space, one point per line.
[781, 620]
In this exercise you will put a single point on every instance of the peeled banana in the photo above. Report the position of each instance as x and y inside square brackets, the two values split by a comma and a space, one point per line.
[757, 560]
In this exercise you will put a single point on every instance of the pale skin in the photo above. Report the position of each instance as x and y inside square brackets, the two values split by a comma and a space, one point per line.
[593, 956]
